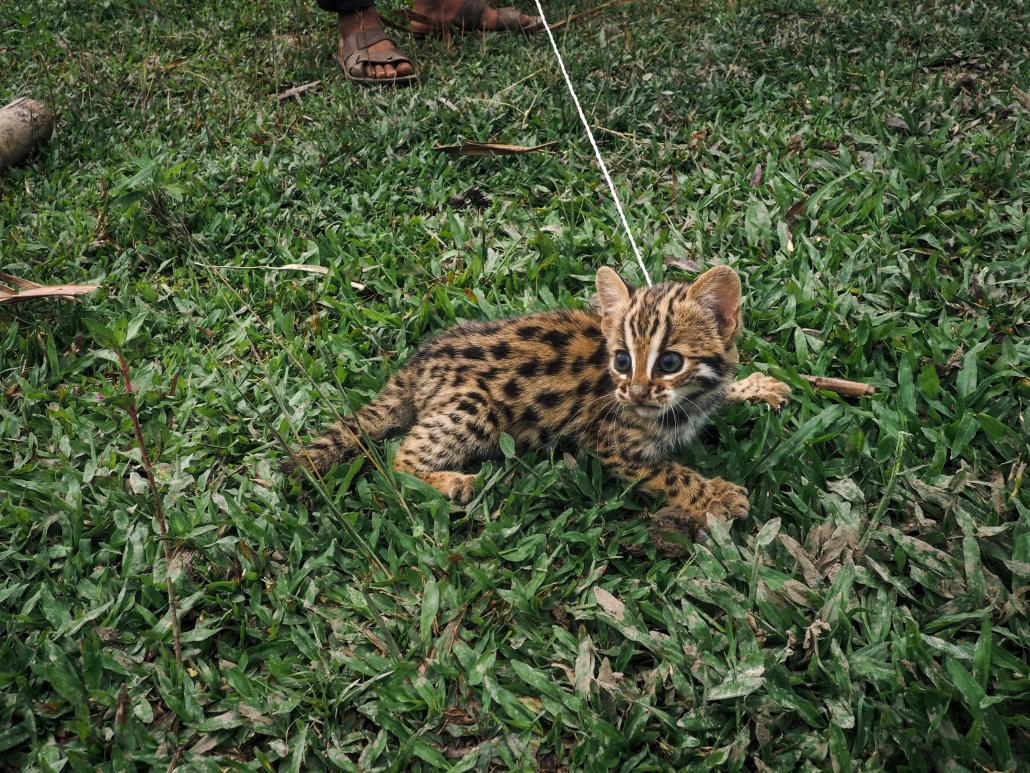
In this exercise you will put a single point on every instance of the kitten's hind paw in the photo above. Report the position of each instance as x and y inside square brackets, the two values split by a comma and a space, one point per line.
[673, 528]
[289, 466]
[672, 531]
[721, 501]
[759, 388]
[294, 465]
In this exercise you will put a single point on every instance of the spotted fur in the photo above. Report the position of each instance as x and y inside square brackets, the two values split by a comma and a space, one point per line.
[562, 375]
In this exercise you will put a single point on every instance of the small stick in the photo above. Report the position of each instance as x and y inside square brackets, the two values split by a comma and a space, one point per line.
[588, 12]
[519, 82]
[173, 604]
[296, 91]
[175, 759]
[14, 289]
[840, 386]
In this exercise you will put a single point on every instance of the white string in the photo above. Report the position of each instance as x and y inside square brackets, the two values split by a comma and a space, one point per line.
[593, 142]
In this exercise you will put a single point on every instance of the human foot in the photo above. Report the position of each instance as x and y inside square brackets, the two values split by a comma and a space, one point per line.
[367, 55]
[468, 16]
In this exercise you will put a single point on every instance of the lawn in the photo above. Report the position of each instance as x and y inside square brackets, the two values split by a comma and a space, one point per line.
[863, 164]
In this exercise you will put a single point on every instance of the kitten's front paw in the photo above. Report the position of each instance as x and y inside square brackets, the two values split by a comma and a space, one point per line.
[760, 388]
[773, 393]
[723, 500]
[458, 486]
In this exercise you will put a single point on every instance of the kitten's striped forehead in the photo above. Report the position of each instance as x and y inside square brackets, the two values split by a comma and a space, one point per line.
[651, 313]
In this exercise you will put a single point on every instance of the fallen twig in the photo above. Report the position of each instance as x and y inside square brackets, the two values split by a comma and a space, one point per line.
[840, 386]
[296, 91]
[311, 269]
[175, 759]
[14, 289]
[173, 603]
[491, 149]
[589, 12]
[1022, 96]
[519, 82]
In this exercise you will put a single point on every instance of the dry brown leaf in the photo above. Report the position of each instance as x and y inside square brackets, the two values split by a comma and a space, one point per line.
[897, 123]
[154, 63]
[812, 634]
[123, 705]
[14, 289]
[208, 742]
[311, 269]
[836, 549]
[376, 641]
[457, 751]
[491, 149]
[13, 281]
[606, 678]
[954, 362]
[797, 593]
[254, 715]
[998, 492]
[583, 672]
[817, 536]
[796, 210]
[792, 546]
[1022, 96]
[686, 264]
[609, 603]
[569, 673]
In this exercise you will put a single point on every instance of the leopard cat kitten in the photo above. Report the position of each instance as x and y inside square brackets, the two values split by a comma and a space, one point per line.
[631, 381]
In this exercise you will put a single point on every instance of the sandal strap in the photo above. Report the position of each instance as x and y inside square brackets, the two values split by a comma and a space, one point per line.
[511, 19]
[357, 55]
[470, 15]
[433, 24]
[364, 38]
[389, 21]
[386, 56]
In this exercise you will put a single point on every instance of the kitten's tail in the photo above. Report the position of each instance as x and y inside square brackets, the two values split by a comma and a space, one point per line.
[393, 410]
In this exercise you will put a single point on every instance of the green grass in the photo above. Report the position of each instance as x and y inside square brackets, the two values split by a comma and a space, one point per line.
[869, 614]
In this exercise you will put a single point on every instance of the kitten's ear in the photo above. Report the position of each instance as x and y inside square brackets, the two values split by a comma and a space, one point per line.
[718, 290]
[612, 293]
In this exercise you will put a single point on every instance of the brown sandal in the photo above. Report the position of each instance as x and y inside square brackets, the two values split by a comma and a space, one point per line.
[353, 56]
[469, 19]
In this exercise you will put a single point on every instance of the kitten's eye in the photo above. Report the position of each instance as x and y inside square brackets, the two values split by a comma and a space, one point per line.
[622, 361]
[670, 362]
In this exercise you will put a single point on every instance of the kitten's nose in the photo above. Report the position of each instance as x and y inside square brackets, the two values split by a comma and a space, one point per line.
[638, 391]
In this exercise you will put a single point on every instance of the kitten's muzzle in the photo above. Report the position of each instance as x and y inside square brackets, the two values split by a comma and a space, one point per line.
[638, 393]
[639, 398]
